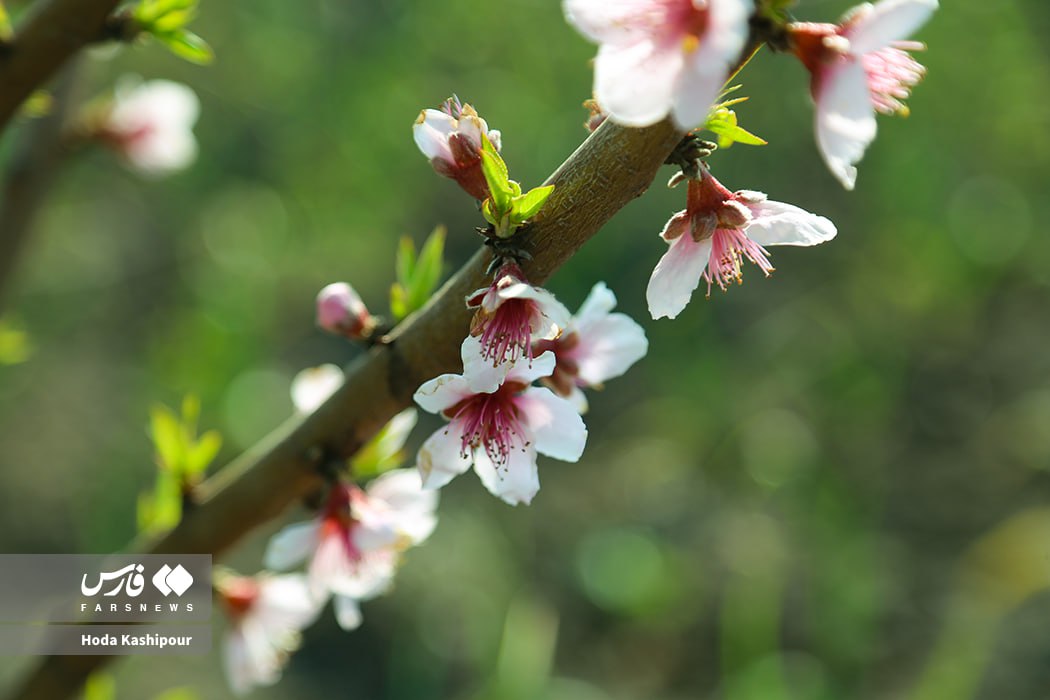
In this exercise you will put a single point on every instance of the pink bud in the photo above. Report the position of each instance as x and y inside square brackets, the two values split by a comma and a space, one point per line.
[340, 311]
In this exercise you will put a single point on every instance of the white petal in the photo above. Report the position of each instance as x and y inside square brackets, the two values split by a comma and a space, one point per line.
[284, 605]
[347, 612]
[515, 482]
[249, 659]
[777, 223]
[440, 459]
[556, 425]
[330, 563]
[526, 372]
[676, 276]
[616, 21]
[845, 120]
[596, 306]
[889, 21]
[431, 132]
[442, 392]
[480, 374]
[609, 347]
[312, 386]
[410, 507]
[578, 399]
[291, 545]
[635, 83]
[705, 70]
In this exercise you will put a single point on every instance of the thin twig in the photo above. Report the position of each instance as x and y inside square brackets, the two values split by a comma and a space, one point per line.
[28, 179]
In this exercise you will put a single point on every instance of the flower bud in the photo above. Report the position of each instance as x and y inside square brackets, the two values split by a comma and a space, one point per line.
[340, 311]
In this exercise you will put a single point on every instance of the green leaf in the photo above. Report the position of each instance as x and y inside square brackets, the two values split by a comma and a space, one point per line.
[203, 453]
[7, 32]
[529, 204]
[15, 347]
[168, 440]
[495, 171]
[100, 686]
[405, 263]
[385, 451]
[174, 20]
[428, 269]
[149, 12]
[724, 124]
[185, 44]
[398, 302]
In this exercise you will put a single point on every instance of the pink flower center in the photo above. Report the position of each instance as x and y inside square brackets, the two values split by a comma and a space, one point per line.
[506, 333]
[338, 521]
[892, 73]
[729, 246]
[566, 368]
[493, 422]
[238, 595]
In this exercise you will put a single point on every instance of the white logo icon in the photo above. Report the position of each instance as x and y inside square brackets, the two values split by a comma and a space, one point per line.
[168, 580]
[131, 575]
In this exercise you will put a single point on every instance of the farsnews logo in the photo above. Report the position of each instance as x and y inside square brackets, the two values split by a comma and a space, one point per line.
[130, 581]
[169, 580]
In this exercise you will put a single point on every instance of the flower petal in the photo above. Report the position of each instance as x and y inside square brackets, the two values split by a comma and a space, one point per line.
[635, 83]
[609, 347]
[480, 374]
[440, 459]
[442, 392]
[676, 276]
[527, 371]
[291, 545]
[312, 386]
[777, 223]
[431, 132]
[888, 21]
[845, 119]
[284, 605]
[515, 482]
[612, 21]
[411, 508]
[558, 429]
[347, 612]
[596, 306]
[705, 70]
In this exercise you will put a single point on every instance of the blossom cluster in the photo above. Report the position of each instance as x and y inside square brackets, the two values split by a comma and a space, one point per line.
[526, 359]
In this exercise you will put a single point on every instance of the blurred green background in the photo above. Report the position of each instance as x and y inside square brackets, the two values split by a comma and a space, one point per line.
[833, 483]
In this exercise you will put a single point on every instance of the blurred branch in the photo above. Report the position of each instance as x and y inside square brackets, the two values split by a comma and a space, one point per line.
[54, 31]
[29, 176]
[613, 166]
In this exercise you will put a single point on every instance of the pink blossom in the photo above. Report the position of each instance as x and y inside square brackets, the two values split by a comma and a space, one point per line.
[716, 232]
[451, 140]
[511, 314]
[597, 345]
[340, 311]
[859, 67]
[660, 57]
[497, 423]
[354, 545]
[151, 125]
[265, 614]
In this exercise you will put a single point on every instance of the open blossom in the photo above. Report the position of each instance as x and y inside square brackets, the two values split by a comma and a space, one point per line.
[451, 139]
[151, 125]
[597, 345]
[716, 232]
[859, 67]
[511, 314]
[266, 615]
[660, 57]
[340, 311]
[354, 545]
[497, 423]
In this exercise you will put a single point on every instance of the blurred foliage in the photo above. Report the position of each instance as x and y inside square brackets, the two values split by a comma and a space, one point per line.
[417, 276]
[819, 485]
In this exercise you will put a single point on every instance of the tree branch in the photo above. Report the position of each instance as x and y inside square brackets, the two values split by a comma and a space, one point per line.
[612, 167]
[28, 178]
[53, 33]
